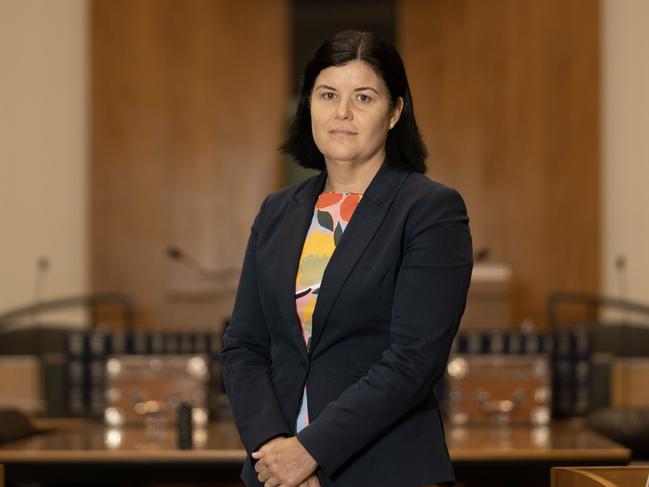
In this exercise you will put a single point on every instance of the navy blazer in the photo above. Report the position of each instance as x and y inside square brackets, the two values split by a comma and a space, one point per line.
[388, 309]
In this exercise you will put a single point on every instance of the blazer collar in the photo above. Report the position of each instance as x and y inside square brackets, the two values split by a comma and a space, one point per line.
[359, 232]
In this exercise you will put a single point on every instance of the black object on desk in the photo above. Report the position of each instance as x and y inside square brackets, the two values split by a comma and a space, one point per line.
[185, 426]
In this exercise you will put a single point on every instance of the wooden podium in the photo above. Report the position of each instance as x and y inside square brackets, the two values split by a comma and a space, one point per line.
[600, 477]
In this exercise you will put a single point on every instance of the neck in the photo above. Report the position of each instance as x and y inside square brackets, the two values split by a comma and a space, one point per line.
[350, 176]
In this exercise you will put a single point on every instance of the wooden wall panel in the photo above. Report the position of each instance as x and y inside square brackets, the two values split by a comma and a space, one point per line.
[507, 97]
[188, 106]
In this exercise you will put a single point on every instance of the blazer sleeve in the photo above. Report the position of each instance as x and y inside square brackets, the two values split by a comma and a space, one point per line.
[429, 299]
[246, 359]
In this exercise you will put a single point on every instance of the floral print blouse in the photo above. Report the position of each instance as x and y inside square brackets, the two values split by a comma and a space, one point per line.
[331, 214]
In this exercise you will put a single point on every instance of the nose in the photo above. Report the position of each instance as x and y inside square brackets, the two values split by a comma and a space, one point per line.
[343, 110]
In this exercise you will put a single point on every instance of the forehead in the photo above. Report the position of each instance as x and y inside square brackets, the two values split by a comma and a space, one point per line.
[352, 74]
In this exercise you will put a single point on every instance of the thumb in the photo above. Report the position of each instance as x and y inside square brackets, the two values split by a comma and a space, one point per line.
[256, 455]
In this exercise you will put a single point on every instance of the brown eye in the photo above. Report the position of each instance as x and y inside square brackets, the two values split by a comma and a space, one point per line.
[328, 95]
[364, 98]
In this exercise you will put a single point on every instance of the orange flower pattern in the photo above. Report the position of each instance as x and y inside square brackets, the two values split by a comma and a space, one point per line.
[331, 215]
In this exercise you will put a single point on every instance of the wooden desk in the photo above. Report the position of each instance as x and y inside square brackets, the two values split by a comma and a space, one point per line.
[523, 456]
[88, 451]
[80, 441]
[600, 476]
[568, 441]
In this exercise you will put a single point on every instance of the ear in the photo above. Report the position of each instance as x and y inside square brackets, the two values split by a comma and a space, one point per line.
[396, 112]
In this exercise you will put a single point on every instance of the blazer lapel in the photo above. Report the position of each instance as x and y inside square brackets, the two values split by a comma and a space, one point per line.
[359, 232]
[292, 232]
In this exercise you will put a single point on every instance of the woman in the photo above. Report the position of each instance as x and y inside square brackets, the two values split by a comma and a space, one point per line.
[340, 393]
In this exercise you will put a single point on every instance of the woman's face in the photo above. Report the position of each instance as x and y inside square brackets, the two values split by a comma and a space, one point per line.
[351, 113]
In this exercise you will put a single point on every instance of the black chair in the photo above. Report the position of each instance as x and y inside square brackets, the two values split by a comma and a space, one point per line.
[609, 341]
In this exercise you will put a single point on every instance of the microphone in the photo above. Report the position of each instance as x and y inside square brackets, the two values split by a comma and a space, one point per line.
[482, 254]
[620, 270]
[40, 282]
[177, 254]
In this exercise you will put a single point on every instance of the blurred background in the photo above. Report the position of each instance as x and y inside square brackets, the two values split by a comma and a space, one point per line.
[139, 137]
[132, 126]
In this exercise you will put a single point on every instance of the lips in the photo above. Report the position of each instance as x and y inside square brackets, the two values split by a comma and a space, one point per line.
[342, 132]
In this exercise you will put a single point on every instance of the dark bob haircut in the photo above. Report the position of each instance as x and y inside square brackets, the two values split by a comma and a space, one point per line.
[404, 147]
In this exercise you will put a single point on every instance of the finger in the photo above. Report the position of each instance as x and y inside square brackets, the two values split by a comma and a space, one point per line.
[259, 466]
[311, 481]
[263, 449]
[257, 454]
[264, 477]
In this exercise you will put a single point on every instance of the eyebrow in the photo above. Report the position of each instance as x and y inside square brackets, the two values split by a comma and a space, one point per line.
[360, 88]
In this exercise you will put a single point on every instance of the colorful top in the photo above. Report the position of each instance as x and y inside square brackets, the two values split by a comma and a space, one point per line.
[330, 218]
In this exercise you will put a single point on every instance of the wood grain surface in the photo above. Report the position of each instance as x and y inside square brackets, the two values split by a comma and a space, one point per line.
[188, 109]
[87, 441]
[634, 476]
[507, 97]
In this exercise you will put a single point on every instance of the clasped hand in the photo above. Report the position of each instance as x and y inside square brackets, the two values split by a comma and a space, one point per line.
[284, 462]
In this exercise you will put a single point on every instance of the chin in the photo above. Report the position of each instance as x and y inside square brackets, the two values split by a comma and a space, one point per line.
[340, 160]
[340, 155]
